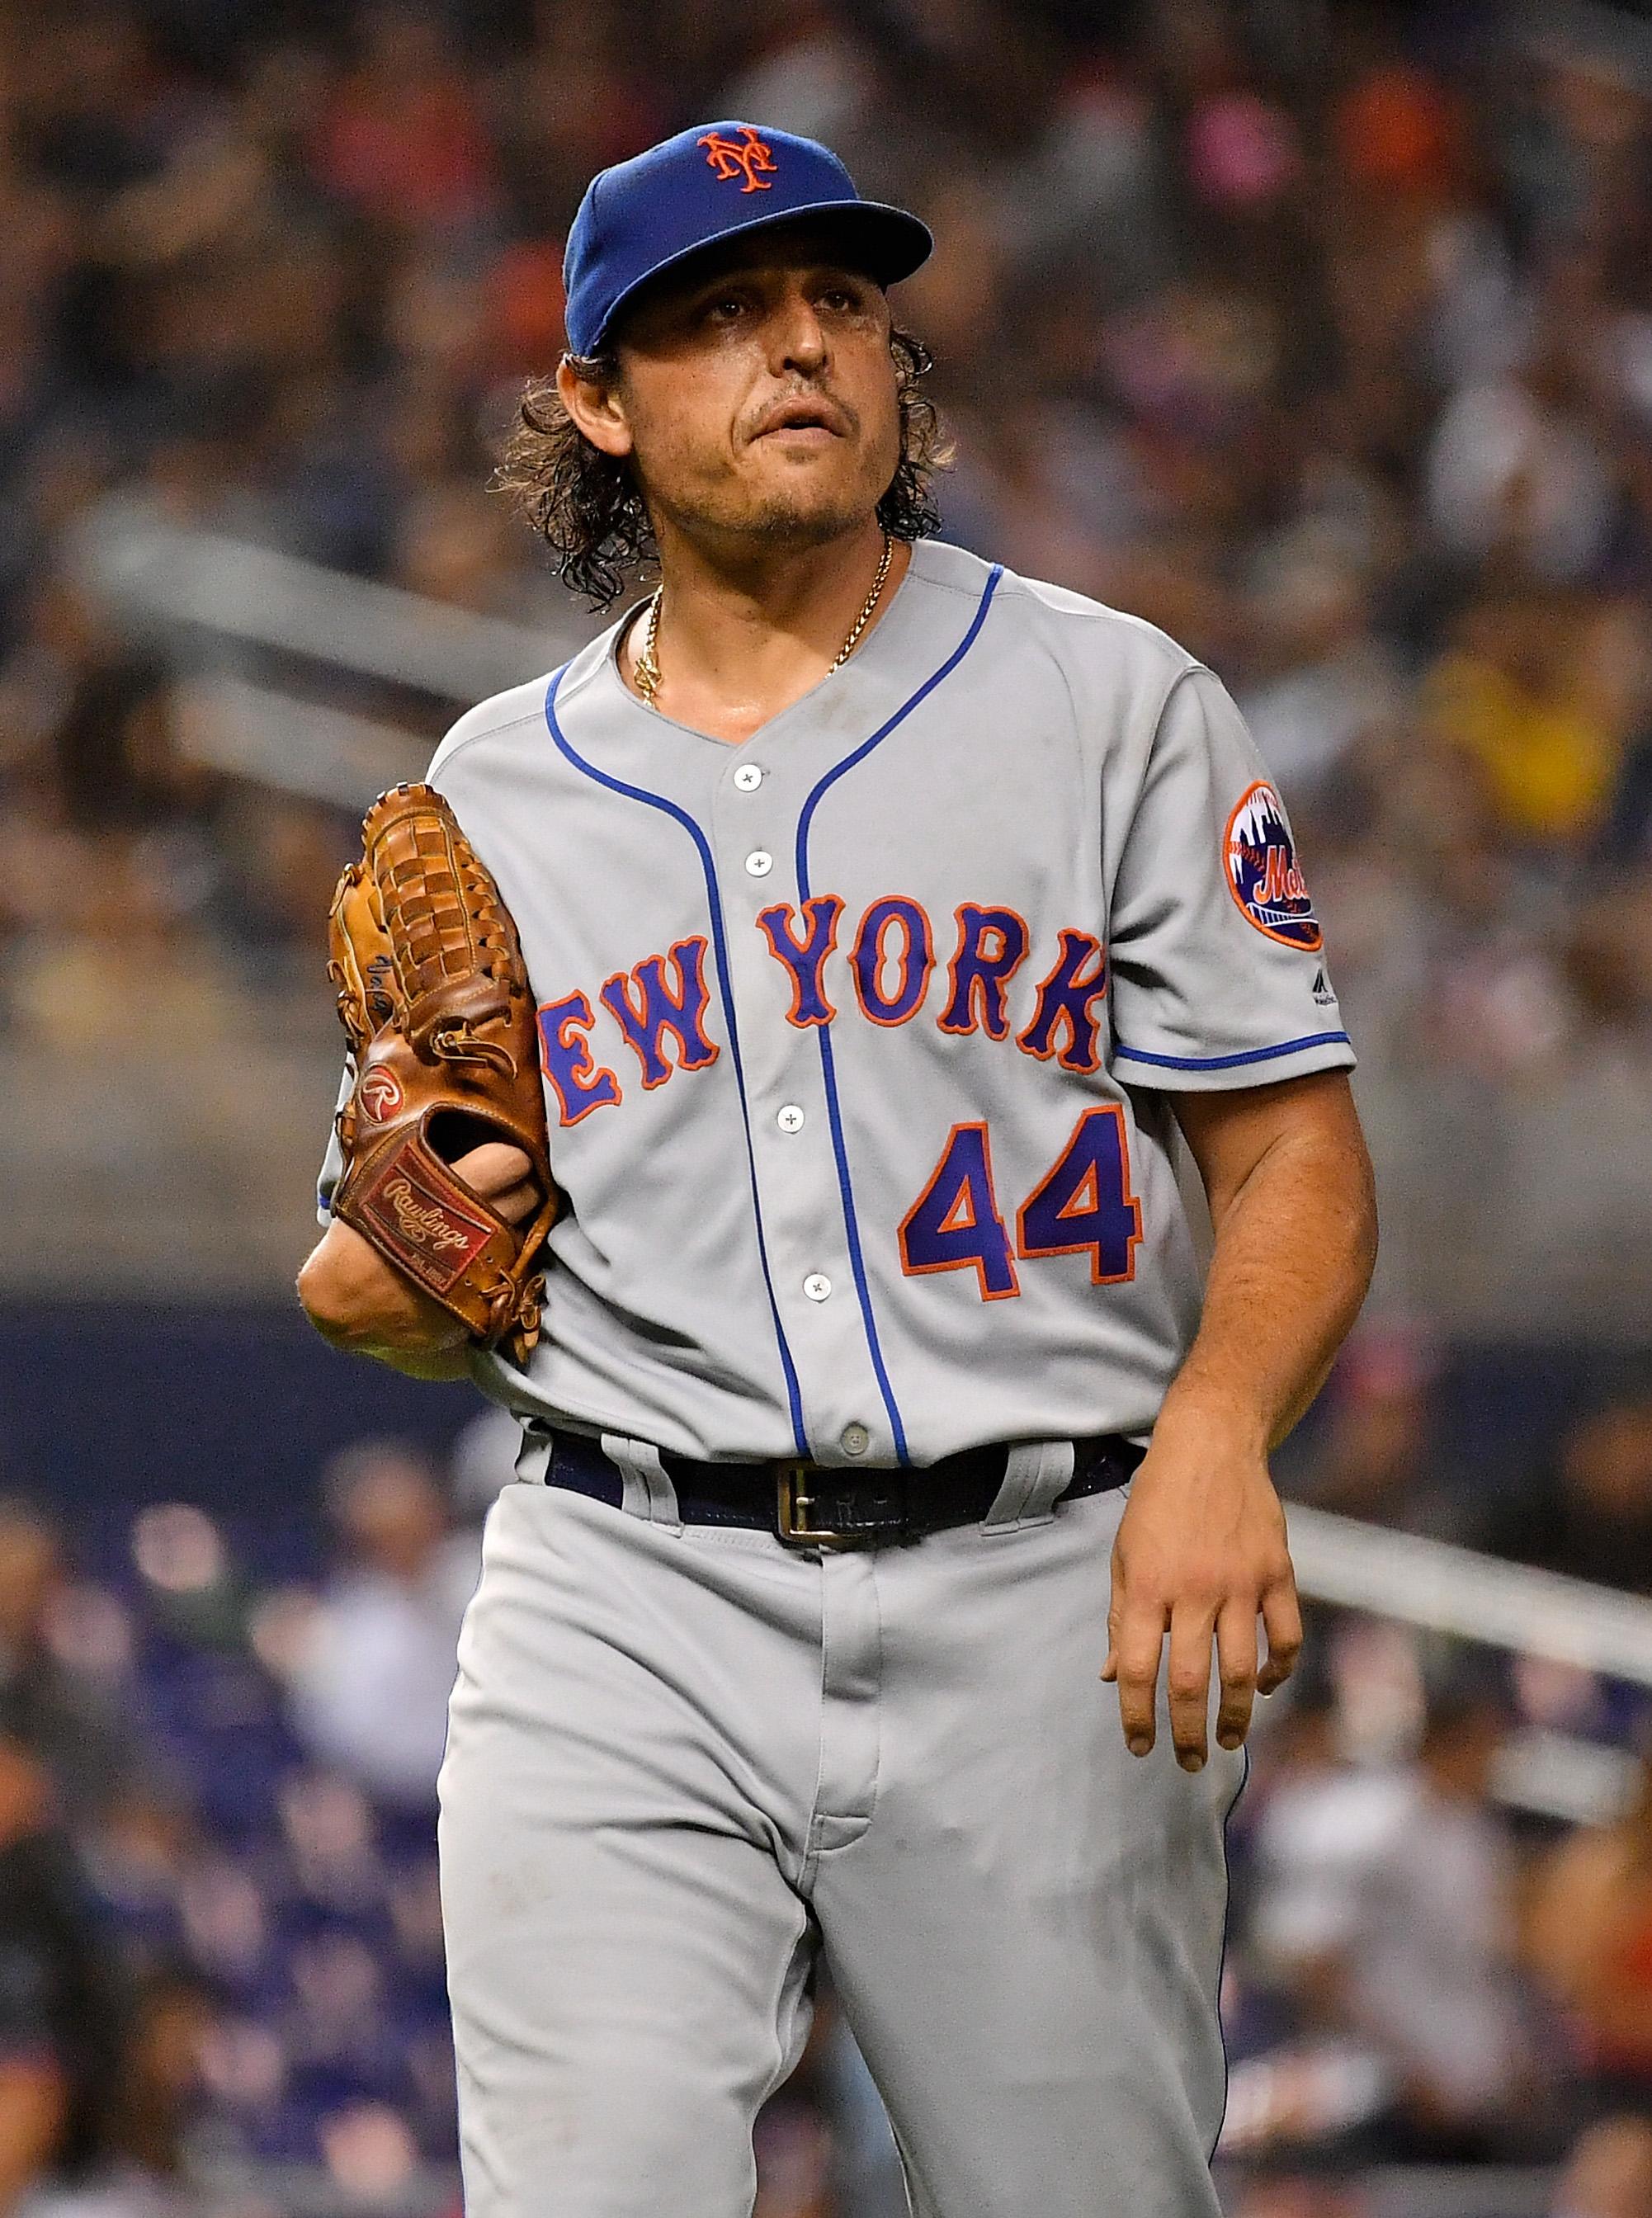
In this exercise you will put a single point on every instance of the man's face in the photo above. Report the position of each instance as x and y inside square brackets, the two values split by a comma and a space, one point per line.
[757, 396]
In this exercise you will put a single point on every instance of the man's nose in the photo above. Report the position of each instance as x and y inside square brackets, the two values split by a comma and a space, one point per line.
[799, 337]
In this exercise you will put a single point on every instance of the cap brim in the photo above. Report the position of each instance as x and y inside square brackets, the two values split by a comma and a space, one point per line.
[889, 245]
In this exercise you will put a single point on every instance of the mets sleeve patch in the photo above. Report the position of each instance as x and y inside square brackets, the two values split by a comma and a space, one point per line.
[1259, 859]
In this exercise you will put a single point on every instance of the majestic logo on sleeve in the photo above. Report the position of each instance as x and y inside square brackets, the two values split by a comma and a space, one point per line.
[1260, 859]
[739, 158]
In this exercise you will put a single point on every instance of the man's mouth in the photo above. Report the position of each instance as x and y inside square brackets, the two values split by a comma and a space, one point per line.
[803, 420]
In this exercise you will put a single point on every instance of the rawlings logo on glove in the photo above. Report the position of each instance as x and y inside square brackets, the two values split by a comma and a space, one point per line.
[434, 995]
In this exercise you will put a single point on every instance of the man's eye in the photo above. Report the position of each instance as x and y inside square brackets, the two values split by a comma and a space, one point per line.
[727, 309]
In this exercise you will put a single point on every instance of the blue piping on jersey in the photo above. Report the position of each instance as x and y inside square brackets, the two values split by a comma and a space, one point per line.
[721, 949]
[1227, 1062]
[823, 1033]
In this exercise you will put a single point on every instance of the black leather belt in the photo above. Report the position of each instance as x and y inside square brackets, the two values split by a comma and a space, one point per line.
[814, 1508]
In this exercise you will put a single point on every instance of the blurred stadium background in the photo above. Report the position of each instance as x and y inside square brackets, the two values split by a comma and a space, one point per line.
[1320, 334]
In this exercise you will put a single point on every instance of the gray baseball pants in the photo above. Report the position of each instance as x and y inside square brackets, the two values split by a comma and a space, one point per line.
[683, 1760]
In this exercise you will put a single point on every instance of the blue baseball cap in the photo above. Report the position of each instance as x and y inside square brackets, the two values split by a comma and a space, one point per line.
[714, 182]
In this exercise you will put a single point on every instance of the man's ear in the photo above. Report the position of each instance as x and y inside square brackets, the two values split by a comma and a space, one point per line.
[596, 408]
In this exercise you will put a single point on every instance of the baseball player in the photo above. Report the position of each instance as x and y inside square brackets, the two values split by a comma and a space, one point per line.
[903, 935]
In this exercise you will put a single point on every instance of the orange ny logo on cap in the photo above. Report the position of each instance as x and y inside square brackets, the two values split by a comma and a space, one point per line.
[738, 157]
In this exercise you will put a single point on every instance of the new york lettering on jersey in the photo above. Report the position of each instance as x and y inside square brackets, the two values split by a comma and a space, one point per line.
[889, 988]
[856, 1037]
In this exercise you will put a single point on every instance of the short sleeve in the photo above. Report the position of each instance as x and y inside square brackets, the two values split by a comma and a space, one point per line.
[1218, 963]
[332, 1162]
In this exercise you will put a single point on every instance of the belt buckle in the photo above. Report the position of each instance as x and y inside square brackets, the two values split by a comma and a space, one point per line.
[794, 1503]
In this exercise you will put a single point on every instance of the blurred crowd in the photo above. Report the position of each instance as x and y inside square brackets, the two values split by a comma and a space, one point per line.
[1320, 335]
[220, 1956]
[219, 1934]
[221, 1986]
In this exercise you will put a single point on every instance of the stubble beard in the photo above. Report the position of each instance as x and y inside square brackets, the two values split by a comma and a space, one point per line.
[778, 522]
[784, 522]
[773, 518]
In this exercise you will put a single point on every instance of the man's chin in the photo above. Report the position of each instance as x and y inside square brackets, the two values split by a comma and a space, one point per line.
[794, 518]
[790, 510]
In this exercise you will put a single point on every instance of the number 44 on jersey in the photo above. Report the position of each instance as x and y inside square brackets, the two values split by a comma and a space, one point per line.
[1082, 1206]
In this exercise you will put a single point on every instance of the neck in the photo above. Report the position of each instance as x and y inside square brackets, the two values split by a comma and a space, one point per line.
[741, 637]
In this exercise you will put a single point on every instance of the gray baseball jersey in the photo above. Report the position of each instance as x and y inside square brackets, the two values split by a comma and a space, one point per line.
[856, 1038]
[858, 1041]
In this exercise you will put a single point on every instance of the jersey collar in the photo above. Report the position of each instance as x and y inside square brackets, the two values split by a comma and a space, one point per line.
[855, 689]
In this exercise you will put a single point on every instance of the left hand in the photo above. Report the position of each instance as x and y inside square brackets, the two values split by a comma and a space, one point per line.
[1201, 1550]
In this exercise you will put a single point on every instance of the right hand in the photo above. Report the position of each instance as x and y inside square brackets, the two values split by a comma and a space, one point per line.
[502, 1175]
[358, 1301]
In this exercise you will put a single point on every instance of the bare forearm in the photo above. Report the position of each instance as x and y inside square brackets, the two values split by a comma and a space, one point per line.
[360, 1304]
[412, 1363]
[1295, 1247]
[1202, 1550]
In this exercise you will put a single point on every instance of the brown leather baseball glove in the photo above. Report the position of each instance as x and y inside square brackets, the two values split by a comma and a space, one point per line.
[434, 995]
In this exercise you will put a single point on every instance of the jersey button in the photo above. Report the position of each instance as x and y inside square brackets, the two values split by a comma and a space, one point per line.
[747, 778]
[790, 1118]
[854, 1440]
[760, 863]
[817, 1287]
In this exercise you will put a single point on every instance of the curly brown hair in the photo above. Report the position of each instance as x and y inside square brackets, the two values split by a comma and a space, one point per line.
[587, 507]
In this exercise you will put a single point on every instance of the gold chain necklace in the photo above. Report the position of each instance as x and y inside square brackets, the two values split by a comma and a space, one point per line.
[646, 672]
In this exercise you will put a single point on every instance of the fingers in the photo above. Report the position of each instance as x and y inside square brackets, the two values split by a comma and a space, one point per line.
[1133, 1660]
[503, 1176]
[1188, 1683]
[1135, 1642]
[1133, 1657]
[1282, 1619]
[493, 1166]
[1237, 1665]
[1163, 1580]
[517, 1203]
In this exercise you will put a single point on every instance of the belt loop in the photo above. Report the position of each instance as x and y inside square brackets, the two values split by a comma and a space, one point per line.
[1035, 1472]
[648, 1493]
[533, 1456]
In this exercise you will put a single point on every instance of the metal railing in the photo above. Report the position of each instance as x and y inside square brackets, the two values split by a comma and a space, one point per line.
[158, 576]
[1441, 1588]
